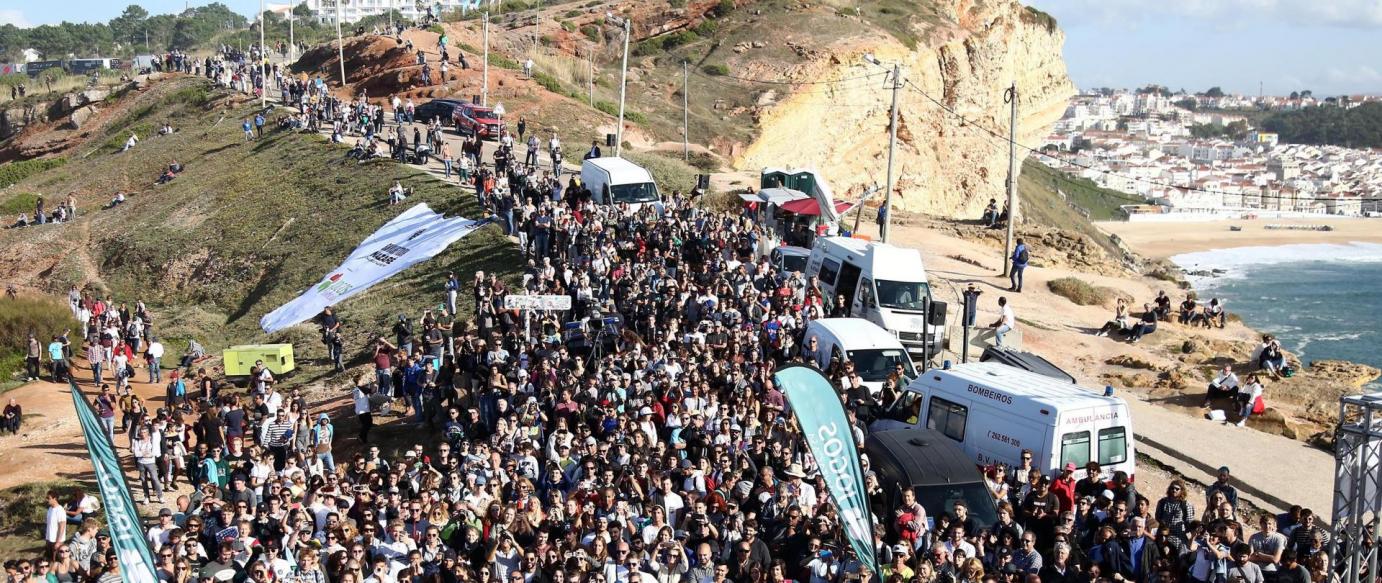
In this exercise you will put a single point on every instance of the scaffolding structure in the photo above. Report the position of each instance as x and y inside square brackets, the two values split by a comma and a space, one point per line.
[1357, 489]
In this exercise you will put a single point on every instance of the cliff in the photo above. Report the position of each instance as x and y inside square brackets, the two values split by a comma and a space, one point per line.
[943, 167]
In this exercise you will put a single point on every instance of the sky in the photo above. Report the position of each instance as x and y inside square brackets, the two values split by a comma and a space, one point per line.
[1330, 47]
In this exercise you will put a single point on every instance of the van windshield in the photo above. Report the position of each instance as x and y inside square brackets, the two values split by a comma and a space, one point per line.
[792, 263]
[874, 365]
[941, 498]
[903, 295]
[633, 193]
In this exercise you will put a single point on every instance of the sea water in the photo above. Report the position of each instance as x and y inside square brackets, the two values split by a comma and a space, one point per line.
[1322, 301]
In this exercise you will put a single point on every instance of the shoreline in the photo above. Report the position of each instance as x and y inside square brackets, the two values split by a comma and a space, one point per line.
[1166, 240]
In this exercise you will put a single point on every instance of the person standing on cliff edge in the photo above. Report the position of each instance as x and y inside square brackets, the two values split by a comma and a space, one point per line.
[1019, 259]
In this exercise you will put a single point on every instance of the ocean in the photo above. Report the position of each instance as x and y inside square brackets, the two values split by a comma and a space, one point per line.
[1321, 300]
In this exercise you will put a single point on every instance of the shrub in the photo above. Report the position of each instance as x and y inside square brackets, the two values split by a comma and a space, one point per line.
[1080, 291]
[707, 28]
[44, 316]
[547, 40]
[503, 62]
[612, 108]
[436, 28]
[14, 172]
[848, 11]
[591, 32]
[716, 70]
[568, 26]
[572, 13]
[1031, 15]
[19, 203]
[669, 173]
[677, 3]
[679, 38]
[547, 82]
[724, 8]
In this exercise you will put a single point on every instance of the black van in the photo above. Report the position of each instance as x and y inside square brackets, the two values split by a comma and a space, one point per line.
[934, 467]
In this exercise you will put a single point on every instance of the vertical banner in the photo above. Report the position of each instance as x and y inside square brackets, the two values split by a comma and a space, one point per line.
[122, 516]
[828, 435]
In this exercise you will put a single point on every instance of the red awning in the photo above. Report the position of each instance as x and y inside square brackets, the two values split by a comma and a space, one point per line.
[809, 206]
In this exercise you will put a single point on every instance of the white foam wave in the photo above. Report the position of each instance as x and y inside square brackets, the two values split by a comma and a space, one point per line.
[1233, 262]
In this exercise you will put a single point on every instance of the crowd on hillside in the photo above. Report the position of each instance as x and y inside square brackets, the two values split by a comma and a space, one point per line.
[636, 438]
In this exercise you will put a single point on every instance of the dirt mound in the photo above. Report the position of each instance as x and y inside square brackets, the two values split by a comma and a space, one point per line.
[378, 65]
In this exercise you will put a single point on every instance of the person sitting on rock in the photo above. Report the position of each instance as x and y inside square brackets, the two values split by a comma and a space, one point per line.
[1163, 306]
[1188, 313]
[1223, 386]
[991, 213]
[1214, 314]
[1144, 326]
[1270, 357]
[1119, 323]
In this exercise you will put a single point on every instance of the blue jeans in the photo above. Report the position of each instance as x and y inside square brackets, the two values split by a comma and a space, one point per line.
[1016, 276]
[327, 461]
[108, 425]
[96, 373]
[383, 377]
[447, 164]
[998, 334]
[416, 402]
[154, 372]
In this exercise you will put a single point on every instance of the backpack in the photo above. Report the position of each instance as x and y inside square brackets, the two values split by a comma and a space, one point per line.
[1023, 256]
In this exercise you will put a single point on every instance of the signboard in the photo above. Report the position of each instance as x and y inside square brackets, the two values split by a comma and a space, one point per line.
[131, 550]
[551, 303]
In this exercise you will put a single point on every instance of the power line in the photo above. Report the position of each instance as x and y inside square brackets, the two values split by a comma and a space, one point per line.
[788, 83]
[968, 121]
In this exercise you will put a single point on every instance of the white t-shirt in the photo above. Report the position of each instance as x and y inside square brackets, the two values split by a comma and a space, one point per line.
[156, 349]
[57, 522]
[1009, 319]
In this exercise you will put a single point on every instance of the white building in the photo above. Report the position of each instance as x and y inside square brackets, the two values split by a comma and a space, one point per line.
[354, 10]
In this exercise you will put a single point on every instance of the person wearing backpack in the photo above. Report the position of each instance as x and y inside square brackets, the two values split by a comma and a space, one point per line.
[1020, 257]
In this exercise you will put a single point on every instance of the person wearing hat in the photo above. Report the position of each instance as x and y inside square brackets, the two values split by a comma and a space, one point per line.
[1064, 486]
[157, 534]
[898, 566]
[802, 493]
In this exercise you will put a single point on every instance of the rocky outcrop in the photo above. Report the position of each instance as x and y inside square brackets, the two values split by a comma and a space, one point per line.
[945, 166]
[71, 102]
[14, 119]
[79, 117]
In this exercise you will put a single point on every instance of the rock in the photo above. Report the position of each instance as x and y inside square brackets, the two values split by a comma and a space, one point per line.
[767, 98]
[14, 119]
[1190, 346]
[1130, 361]
[81, 116]
[95, 95]
[1343, 372]
[758, 44]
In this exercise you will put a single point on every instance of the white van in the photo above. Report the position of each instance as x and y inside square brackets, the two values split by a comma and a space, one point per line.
[616, 180]
[883, 284]
[874, 352]
[995, 411]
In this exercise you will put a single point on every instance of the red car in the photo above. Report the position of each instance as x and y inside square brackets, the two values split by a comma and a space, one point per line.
[477, 121]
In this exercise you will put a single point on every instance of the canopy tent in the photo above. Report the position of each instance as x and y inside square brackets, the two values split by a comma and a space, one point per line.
[775, 196]
[812, 207]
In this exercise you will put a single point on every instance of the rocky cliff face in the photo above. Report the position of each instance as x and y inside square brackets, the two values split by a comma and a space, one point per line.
[943, 166]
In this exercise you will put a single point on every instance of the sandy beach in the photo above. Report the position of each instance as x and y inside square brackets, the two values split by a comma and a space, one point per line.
[1163, 240]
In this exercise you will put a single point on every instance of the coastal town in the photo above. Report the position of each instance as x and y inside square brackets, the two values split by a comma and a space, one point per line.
[1195, 156]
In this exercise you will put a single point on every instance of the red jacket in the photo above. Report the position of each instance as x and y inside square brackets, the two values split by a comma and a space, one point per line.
[1065, 492]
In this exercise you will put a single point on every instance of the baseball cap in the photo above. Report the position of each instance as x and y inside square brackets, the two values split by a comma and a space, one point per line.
[165, 511]
[1069, 466]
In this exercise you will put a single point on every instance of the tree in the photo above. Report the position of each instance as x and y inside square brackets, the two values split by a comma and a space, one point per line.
[1187, 104]
[1237, 130]
[1214, 92]
[130, 24]
[1295, 95]
[1307, 94]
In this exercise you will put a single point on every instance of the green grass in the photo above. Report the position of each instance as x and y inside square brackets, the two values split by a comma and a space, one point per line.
[13, 172]
[21, 202]
[249, 226]
[612, 108]
[44, 316]
[716, 69]
[669, 173]
[22, 509]
[1082, 202]
[1080, 291]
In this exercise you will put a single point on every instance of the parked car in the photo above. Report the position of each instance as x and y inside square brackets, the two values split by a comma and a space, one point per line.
[436, 108]
[477, 121]
[934, 468]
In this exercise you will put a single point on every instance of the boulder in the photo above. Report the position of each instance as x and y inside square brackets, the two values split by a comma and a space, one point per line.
[81, 116]
[1131, 361]
[14, 119]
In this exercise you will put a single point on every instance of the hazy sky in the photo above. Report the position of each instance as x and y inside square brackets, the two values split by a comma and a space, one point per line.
[1328, 46]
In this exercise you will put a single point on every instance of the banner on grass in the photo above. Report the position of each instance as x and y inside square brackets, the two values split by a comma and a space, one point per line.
[131, 550]
[410, 238]
[831, 441]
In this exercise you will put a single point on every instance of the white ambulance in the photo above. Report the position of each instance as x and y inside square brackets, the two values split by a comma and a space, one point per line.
[883, 284]
[995, 411]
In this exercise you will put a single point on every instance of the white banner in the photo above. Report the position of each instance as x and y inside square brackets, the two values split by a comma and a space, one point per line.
[410, 238]
[537, 302]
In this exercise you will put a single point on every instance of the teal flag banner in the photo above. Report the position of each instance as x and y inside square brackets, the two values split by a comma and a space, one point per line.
[131, 550]
[822, 417]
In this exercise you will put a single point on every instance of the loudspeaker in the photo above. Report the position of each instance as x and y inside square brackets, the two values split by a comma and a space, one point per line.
[475, 100]
[703, 182]
[609, 140]
[936, 315]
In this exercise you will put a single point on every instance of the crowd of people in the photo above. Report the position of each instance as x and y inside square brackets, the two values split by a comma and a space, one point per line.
[638, 437]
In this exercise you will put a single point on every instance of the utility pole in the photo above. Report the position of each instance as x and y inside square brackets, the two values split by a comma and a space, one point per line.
[340, 44]
[1010, 96]
[892, 152]
[292, 44]
[685, 114]
[590, 60]
[484, 91]
[263, 61]
[623, 85]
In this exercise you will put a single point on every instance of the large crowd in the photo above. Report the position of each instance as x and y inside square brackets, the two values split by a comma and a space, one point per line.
[636, 438]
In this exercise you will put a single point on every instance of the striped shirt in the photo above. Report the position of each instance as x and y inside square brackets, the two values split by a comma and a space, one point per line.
[277, 433]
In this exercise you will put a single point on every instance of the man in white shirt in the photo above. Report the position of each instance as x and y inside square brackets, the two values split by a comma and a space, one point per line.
[1007, 321]
[155, 353]
[1223, 386]
[804, 494]
[56, 530]
[158, 533]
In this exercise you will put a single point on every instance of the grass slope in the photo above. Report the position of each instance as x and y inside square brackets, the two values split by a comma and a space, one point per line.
[245, 228]
[1043, 204]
